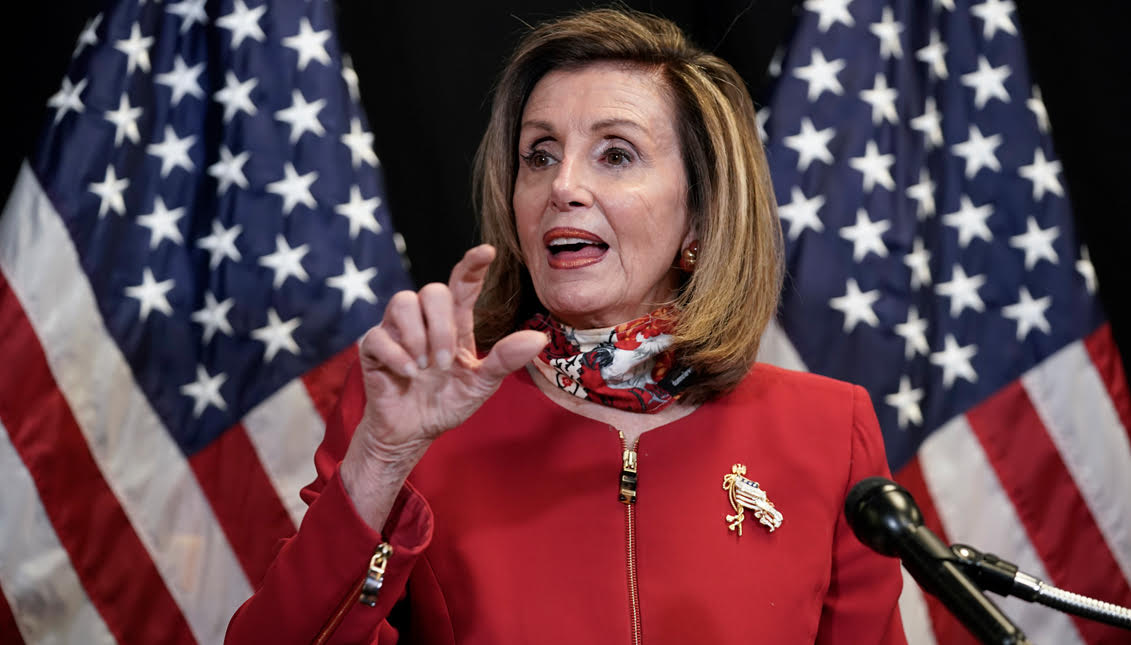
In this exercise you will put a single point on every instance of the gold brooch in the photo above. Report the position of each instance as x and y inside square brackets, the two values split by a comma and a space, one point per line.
[745, 494]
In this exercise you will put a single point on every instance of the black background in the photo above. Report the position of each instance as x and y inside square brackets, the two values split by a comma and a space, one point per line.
[426, 71]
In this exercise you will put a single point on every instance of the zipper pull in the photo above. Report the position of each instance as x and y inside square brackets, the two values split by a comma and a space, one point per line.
[375, 576]
[628, 474]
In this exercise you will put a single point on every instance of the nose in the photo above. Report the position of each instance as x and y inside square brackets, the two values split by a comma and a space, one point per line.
[570, 188]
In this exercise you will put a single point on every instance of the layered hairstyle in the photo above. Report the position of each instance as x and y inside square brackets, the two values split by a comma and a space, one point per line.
[725, 305]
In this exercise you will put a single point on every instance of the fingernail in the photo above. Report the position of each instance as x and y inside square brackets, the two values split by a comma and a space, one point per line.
[444, 359]
[422, 361]
[410, 370]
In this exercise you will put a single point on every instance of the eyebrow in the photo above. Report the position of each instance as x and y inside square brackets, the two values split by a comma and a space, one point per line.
[603, 124]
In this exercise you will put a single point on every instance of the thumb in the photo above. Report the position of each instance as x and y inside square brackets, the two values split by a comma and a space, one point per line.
[511, 353]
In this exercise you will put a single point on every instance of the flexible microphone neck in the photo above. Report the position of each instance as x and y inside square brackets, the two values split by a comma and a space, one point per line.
[884, 516]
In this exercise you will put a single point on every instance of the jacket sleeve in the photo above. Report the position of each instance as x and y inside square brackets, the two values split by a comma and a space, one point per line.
[317, 568]
[861, 605]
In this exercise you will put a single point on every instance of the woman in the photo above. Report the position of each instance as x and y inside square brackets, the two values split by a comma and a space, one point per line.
[634, 262]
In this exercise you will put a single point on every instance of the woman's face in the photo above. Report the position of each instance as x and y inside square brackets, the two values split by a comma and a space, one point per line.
[600, 200]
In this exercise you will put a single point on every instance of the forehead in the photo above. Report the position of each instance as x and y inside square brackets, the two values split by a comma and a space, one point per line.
[601, 91]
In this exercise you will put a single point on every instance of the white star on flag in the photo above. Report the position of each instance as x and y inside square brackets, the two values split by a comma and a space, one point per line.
[924, 195]
[1042, 173]
[978, 151]
[136, 50]
[801, 213]
[309, 44]
[236, 96]
[302, 116]
[221, 243]
[213, 316]
[286, 261]
[820, 74]
[856, 306]
[205, 391]
[906, 402]
[229, 169]
[1036, 105]
[865, 236]
[962, 291]
[1037, 243]
[294, 188]
[918, 260]
[888, 30]
[191, 12]
[995, 15]
[361, 213]
[930, 124]
[277, 335]
[182, 79]
[830, 12]
[882, 99]
[875, 167]
[811, 143]
[173, 151]
[151, 294]
[987, 82]
[162, 223]
[67, 98]
[243, 23]
[1086, 270]
[354, 284]
[914, 334]
[109, 190]
[360, 144]
[970, 220]
[955, 361]
[125, 121]
[1028, 313]
[88, 37]
[934, 55]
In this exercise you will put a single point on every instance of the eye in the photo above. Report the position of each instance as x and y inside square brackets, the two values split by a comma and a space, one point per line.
[617, 157]
[538, 159]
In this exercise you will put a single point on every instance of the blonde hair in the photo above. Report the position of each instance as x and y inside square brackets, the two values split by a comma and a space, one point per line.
[726, 303]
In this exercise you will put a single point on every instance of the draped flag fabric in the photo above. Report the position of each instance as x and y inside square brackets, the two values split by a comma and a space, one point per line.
[186, 263]
[932, 258]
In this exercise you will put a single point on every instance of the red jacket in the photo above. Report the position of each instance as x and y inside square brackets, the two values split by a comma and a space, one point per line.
[522, 538]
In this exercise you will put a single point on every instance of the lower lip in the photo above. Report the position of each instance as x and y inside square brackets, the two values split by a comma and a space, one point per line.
[576, 259]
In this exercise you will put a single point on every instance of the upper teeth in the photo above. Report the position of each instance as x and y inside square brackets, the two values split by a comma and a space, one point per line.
[562, 241]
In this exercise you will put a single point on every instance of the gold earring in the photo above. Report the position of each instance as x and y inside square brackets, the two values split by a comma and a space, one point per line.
[688, 257]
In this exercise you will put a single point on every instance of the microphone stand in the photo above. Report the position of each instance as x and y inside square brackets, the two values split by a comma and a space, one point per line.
[992, 573]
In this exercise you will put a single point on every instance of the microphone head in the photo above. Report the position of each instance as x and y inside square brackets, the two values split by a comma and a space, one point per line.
[881, 513]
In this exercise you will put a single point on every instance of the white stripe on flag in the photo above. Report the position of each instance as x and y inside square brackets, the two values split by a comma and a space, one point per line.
[42, 588]
[913, 610]
[1073, 404]
[286, 429]
[777, 349]
[975, 510]
[139, 460]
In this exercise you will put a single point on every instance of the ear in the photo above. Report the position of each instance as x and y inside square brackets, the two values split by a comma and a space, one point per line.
[689, 237]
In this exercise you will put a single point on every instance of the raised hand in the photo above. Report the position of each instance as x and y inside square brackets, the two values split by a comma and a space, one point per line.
[423, 375]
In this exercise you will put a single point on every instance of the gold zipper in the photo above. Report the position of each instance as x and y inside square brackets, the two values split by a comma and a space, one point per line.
[627, 496]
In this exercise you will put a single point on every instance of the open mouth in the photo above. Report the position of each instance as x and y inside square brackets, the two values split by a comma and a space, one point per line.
[572, 248]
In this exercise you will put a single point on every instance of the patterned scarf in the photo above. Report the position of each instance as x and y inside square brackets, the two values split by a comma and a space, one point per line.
[629, 366]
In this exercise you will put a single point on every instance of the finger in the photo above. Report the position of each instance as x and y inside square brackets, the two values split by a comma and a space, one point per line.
[379, 349]
[436, 303]
[404, 323]
[466, 283]
[511, 353]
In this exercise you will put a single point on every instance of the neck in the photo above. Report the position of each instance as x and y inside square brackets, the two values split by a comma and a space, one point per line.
[630, 424]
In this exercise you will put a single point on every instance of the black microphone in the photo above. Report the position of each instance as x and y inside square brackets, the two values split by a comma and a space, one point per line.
[884, 516]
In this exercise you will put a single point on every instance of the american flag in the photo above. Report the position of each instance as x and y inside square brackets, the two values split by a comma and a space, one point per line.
[186, 263]
[932, 258]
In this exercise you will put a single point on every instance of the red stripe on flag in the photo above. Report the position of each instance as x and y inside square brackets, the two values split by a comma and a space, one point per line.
[326, 381]
[948, 630]
[9, 632]
[246, 504]
[1105, 356]
[115, 569]
[1058, 522]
